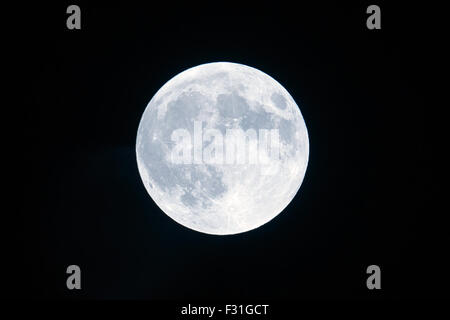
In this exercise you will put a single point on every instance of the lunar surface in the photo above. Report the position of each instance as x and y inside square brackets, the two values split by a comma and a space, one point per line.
[227, 195]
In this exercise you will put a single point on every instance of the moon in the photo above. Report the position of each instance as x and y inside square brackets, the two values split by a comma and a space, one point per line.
[222, 197]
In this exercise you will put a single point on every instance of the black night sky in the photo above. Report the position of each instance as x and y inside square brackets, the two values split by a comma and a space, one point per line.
[363, 200]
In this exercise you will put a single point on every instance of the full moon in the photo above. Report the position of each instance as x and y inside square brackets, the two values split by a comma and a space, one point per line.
[188, 154]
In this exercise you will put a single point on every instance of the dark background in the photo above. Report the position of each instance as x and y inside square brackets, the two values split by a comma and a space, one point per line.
[365, 198]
